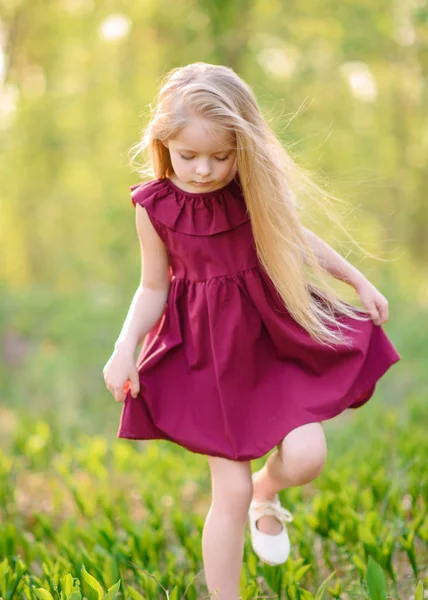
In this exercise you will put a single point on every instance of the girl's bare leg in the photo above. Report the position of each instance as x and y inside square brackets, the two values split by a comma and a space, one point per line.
[298, 459]
[224, 528]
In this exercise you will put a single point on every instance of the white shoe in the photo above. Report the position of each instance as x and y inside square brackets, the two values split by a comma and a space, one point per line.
[271, 549]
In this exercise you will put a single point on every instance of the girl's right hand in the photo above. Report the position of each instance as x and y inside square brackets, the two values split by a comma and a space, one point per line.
[118, 370]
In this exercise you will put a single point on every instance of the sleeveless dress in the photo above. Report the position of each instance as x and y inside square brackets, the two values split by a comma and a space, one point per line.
[227, 371]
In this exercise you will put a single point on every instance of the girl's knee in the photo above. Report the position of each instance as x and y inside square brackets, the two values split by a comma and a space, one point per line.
[237, 500]
[304, 451]
[232, 485]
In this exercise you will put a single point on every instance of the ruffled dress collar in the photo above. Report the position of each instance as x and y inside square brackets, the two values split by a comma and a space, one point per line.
[193, 213]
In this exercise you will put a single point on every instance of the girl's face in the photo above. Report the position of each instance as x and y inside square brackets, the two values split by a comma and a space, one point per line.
[203, 158]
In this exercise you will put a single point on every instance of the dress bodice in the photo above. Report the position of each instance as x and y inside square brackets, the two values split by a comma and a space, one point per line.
[207, 234]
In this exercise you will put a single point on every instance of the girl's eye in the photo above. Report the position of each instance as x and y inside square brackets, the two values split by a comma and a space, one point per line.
[192, 157]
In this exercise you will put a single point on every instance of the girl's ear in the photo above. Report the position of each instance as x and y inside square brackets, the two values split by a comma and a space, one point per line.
[165, 143]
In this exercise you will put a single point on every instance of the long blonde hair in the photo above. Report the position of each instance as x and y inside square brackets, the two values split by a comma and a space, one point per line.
[269, 179]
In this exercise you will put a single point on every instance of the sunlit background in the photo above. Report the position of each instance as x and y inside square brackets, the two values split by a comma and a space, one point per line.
[343, 84]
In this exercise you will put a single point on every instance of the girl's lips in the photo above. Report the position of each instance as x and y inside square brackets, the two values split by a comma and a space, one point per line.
[202, 184]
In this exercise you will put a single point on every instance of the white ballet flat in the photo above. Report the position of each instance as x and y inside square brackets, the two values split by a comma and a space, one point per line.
[271, 549]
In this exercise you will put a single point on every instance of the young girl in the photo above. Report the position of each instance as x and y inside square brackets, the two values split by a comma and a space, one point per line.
[242, 353]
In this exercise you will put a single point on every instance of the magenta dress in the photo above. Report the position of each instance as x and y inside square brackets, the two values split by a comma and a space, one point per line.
[226, 371]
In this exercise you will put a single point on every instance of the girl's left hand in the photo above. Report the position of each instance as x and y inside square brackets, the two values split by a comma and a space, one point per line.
[373, 301]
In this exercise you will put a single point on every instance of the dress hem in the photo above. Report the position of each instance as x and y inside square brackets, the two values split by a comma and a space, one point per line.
[359, 397]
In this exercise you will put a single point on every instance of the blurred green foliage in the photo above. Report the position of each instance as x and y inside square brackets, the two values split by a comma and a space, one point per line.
[343, 84]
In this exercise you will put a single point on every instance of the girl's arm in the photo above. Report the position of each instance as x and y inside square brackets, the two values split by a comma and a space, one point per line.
[373, 301]
[151, 296]
[332, 262]
[145, 311]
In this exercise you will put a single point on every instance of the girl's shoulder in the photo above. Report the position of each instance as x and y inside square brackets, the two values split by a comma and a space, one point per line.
[143, 193]
[192, 213]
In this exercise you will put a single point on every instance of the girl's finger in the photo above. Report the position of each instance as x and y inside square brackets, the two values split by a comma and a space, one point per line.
[374, 313]
[119, 396]
[385, 312]
[112, 389]
[382, 316]
[118, 393]
[382, 308]
[134, 385]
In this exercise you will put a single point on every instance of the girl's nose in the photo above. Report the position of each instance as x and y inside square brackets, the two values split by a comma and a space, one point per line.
[203, 168]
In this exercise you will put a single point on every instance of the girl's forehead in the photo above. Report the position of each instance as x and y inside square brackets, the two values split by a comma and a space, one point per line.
[201, 135]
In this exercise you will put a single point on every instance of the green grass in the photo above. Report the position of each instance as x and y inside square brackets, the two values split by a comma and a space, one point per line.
[134, 511]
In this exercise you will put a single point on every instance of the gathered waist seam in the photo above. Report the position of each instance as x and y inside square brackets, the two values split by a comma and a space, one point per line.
[215, 276]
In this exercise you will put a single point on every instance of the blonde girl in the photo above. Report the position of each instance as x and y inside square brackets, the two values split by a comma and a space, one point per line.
[245, 346]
